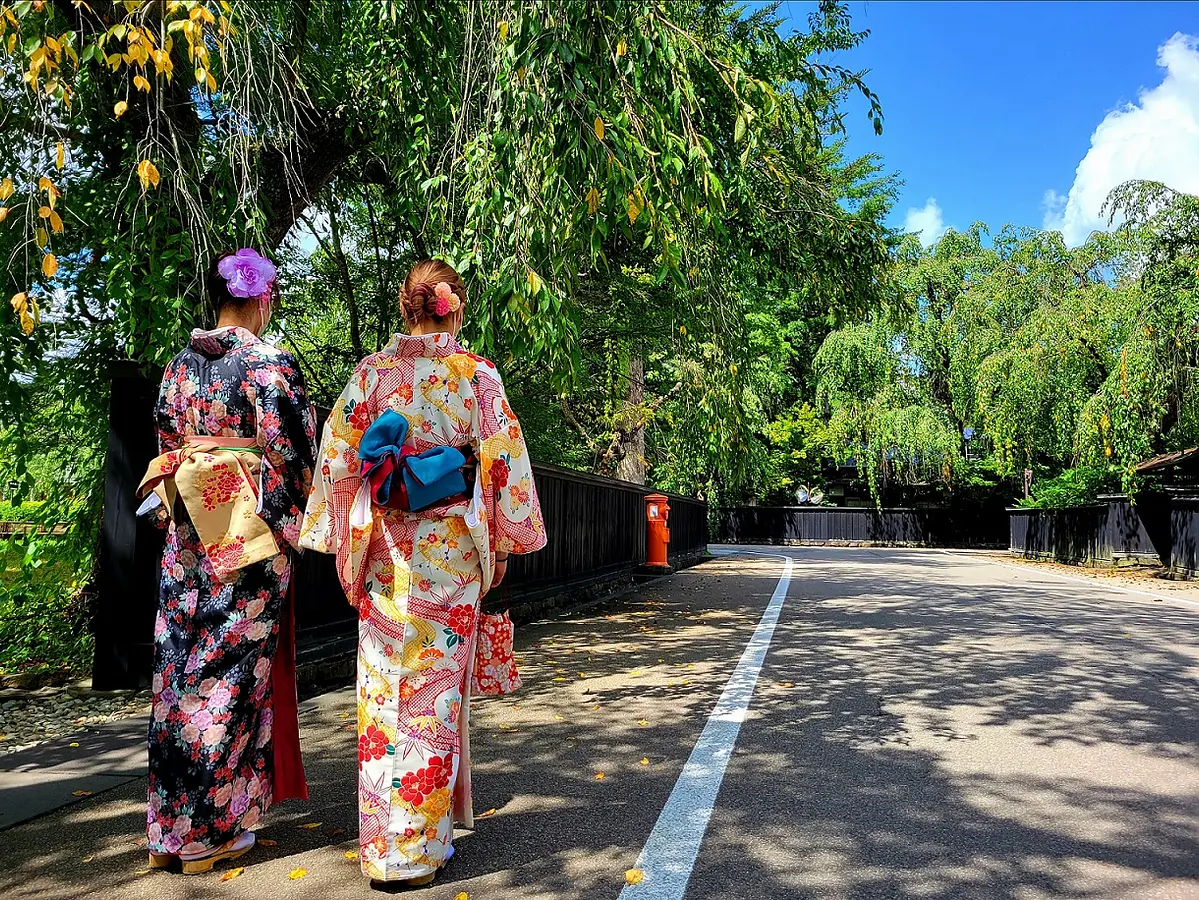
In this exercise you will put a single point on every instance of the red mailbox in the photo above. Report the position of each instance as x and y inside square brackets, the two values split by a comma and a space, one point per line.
[657, 515]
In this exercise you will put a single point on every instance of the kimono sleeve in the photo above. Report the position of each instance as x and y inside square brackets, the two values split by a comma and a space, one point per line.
[169, 429]
[287, 435]
[505, 470]
[335, 491]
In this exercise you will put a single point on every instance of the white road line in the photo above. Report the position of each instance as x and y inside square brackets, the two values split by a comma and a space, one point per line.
[673, 846]
[1089, 581]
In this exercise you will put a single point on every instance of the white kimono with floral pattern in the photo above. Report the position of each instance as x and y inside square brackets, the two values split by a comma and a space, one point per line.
[416, 579]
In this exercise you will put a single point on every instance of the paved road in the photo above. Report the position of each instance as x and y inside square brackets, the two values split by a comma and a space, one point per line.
[924, 725]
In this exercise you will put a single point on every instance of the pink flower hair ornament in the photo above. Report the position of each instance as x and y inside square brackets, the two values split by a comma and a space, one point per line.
[445, 300]
[247, 273]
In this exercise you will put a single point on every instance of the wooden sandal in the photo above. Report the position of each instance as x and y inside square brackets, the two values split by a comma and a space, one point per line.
[161, 860]
[229, 850]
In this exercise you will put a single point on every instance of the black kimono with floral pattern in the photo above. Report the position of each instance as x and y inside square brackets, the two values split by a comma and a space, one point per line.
[210, 727]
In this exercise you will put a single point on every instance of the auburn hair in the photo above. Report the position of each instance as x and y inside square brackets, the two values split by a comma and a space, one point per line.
[418, 298]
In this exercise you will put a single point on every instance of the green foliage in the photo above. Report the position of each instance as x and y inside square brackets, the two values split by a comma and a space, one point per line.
[43, 612]
[1078, 486]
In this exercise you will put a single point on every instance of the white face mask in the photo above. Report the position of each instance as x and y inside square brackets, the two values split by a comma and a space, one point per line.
[264, 314]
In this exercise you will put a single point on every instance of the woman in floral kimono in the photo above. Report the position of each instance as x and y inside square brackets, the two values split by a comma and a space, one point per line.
[236, 431]
[417, 577]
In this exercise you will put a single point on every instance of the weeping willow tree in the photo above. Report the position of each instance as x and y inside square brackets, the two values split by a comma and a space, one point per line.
[1052, 357]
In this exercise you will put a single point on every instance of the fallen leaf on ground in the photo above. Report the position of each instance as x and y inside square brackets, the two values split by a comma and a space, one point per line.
[645, 760]
[297, 874]
[81, 793]
[559, 719]
[634, 876]
[462, 895]
[335, 833]
[351, 854]
[596, 706]
[490, 812]
[87, 859]
[233, 873]
[141, 872]
[783, 683]
[599, 776]
[267, 842]
[309, 825]
[76, 744]
[642, 722]
[345, 715]
[559, 678]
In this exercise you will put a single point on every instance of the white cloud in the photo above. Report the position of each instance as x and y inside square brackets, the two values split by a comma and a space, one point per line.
[925, 221]
[1156, 138]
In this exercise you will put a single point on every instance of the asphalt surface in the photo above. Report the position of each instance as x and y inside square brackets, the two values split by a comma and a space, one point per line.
[924, 725]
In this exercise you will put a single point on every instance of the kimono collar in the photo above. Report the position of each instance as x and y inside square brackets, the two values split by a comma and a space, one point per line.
[220, 341]
[435, 345]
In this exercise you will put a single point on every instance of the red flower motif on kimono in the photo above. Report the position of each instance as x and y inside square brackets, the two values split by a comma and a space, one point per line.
[410, 788]
[462, 619]
[405, 391]
[371, 745]
[499, 473]
[360, 418]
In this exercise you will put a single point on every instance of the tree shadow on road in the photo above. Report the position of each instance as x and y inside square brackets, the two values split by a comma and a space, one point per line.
[854, 774]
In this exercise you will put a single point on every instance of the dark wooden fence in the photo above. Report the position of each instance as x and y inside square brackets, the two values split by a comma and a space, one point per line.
[1182, 557]
[857, 526]
[1112, 532]
[596, 529]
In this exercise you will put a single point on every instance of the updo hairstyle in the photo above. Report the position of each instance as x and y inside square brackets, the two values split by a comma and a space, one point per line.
[418, 296]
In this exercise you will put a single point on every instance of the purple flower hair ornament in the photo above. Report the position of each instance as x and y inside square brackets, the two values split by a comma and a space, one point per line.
[247, 273]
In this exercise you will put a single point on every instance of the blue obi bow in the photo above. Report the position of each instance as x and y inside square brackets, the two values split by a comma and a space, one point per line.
[425, 478]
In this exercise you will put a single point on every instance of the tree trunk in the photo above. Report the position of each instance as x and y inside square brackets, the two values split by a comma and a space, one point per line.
[631, 466]
[343, 268]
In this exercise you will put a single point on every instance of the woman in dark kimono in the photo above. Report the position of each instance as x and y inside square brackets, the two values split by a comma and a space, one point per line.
[236, 431]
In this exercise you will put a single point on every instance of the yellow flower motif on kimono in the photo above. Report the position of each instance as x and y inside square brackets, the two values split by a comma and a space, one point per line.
[437, 804]
[461, 365]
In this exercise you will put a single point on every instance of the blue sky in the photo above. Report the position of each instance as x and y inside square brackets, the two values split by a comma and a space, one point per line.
[989, 106]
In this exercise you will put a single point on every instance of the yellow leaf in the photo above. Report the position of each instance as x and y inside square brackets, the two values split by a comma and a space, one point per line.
[503, 29]
[87, 859]
[62, 155]
[621, 47]
[634, 876]
[140, 872]
[635, 205]
[43, 238]
[6, 188]
[462, 895]
[593, 201]
[534, 282]
[44, 183]
[233, 873]
[600, 776]
[44, 212]
[75, 744]
[3, 213]
[119, 109]
[211, 82]
[55, 222]
[490, 812]
[345, 715]
[642, 722]
[351, 854]
[599, 128]
[645, 760]
[310, 825]
[147, 173]
[81, 793]
[267, 842]
[201, 75]
[139, 82]
[49, 265]
[297, 874]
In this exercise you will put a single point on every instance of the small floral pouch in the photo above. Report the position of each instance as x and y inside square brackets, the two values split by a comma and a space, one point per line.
[495, 660]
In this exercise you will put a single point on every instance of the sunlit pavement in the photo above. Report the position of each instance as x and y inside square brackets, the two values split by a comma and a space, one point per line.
[924, 725]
